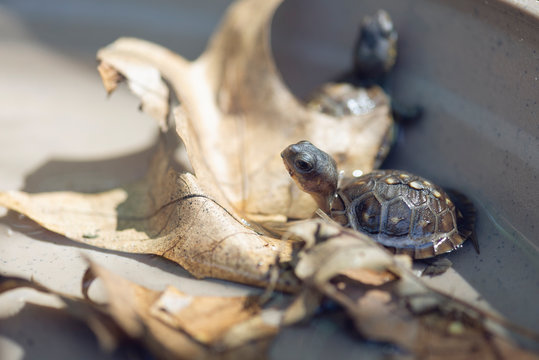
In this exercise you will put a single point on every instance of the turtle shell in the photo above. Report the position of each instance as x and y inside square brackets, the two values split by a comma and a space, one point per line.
[403, 212]
[343, 99]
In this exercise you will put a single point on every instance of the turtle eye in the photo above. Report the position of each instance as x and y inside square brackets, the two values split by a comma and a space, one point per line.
[303, 165]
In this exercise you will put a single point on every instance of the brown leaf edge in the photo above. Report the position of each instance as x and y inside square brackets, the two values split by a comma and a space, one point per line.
[167, 214]
[402, 310]
[108, 334]
[138, 315]
[236, 115]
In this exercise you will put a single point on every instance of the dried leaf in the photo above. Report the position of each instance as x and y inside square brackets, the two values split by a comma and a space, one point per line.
[369, 276]
[264, 326]
[143, 81]
[168, 325]
[340, 252]
[205, 318]
[106, 330]
[446, 331]
[110, 77]
[176, 324]
[235, 118]
[402, 310]
[237, 115]
[303, 307]
[166, 214]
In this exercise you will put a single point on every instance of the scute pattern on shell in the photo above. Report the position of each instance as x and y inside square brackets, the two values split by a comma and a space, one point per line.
[403, 212]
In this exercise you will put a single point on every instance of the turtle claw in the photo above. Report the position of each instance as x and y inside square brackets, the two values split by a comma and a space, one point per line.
[406, 114]
[436, 266]
[475, 242]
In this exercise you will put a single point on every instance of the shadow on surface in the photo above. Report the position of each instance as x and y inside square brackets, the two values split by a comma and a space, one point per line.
[35, 231]
[36, 327]
[184, 25]
[91, 176]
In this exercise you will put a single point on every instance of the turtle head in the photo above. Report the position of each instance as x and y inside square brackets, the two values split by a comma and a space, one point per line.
[314, 171]
[376, 48]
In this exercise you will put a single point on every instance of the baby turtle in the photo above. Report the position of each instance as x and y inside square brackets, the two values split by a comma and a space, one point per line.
[376, 47]
[375, 53]
[402, 211]
[352, 94]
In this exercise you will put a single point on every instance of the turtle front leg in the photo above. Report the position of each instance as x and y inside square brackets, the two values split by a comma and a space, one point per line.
[406, 114]
[435, 266]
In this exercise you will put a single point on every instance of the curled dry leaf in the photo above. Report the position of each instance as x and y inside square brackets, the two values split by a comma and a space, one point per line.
[183, 326]
[208, 318]
[398, 308]
[166, 213]
[144, 81]
[106, 330]
[171, 324]
[237, 115]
